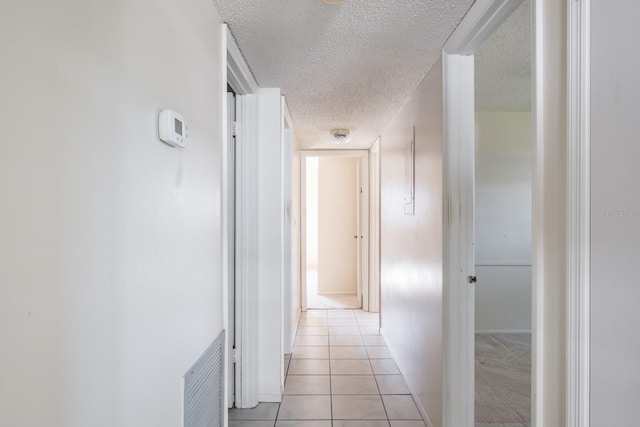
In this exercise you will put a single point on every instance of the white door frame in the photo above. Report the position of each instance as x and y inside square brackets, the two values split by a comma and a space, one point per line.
[290, 321]
[373, 300]
[458, 202]
[363, 220]
[578, 213]
[240, 78]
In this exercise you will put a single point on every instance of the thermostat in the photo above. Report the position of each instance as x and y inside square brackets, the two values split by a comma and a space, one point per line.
[172, 129]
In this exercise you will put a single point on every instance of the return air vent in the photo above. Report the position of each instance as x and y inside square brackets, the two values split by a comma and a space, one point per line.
[204, 388]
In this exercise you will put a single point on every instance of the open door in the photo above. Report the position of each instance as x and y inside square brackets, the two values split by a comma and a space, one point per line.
[231, 242]
[335, 228]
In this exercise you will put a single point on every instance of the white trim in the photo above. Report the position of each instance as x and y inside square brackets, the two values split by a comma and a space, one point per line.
[458, 204]
[578, 209]
[503, 331]
[276, 398]
[482, 19]
[286, 114]
[224, 214]
[537, 258]
[241, 80]
[303, 232]
[239, 75]
[288, 275]
[500, 263]
[373, 301]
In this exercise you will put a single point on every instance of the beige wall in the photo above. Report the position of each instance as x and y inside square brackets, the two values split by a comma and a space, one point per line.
[110, 272]
[549, 273]
[411, 258]
[337, 224]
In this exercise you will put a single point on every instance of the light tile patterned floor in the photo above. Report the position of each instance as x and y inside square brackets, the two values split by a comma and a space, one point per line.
[339, 375]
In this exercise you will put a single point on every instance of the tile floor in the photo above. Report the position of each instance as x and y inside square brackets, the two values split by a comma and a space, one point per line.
[339, 375]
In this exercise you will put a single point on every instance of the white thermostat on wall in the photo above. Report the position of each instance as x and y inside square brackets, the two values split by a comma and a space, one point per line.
[172, 129]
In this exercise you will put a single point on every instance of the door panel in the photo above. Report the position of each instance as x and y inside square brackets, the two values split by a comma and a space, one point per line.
[231, 241]
[337, 225]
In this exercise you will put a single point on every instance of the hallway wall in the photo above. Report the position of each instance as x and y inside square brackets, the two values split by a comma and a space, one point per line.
[411, 258]
[110, 255]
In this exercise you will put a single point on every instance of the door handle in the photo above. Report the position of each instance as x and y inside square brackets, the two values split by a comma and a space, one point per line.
[472, 279]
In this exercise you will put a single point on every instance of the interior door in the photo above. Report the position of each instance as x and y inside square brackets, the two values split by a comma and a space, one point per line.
[337, 225]
[231, 215]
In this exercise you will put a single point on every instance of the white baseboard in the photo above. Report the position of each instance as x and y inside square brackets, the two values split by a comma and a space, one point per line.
[337, 293]
[421, 408]
[503, 331]
[295, 329]
[270, 398]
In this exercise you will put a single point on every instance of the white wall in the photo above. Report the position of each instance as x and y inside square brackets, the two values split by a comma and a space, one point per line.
[337, 224]
[504, 157]
[615, 214]
[110, 256]
[270, 244]
[411, 258]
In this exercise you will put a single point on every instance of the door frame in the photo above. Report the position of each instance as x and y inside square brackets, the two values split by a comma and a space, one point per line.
[578, 214]
[372, 303]
[363, 218]
[239, 77]
[484, 17]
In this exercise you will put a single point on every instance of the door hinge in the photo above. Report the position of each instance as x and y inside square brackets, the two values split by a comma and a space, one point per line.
[234, 128]
[234, 355]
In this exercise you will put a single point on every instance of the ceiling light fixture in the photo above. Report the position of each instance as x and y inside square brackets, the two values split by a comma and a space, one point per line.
[334, 1]
[340, 136]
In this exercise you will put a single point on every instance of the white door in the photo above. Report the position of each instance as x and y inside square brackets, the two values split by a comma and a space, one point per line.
[231, 215]
[338, 233]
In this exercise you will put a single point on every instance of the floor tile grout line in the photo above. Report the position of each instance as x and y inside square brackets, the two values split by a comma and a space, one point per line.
[378, 387]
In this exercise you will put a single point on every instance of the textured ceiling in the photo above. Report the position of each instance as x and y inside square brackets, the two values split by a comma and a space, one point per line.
[503, 65]
[341, 66]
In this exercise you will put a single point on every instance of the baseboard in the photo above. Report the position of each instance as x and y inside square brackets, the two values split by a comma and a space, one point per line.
[421, 409]
[270, 398]
[503, 331]
[336, 293]
[295, 330]
[502, 263]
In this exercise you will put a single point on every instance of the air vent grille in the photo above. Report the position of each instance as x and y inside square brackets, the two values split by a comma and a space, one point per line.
[204, 388]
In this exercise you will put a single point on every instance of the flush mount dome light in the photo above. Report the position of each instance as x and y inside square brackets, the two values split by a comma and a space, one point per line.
[340, 136]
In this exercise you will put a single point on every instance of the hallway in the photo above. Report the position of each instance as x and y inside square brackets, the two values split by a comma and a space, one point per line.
[340, 375]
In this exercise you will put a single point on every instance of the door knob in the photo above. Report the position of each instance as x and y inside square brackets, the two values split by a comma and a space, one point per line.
[472, 279]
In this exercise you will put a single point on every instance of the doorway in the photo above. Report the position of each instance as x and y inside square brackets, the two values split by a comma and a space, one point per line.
[334, 255]
[503, 222]
[505, 247]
